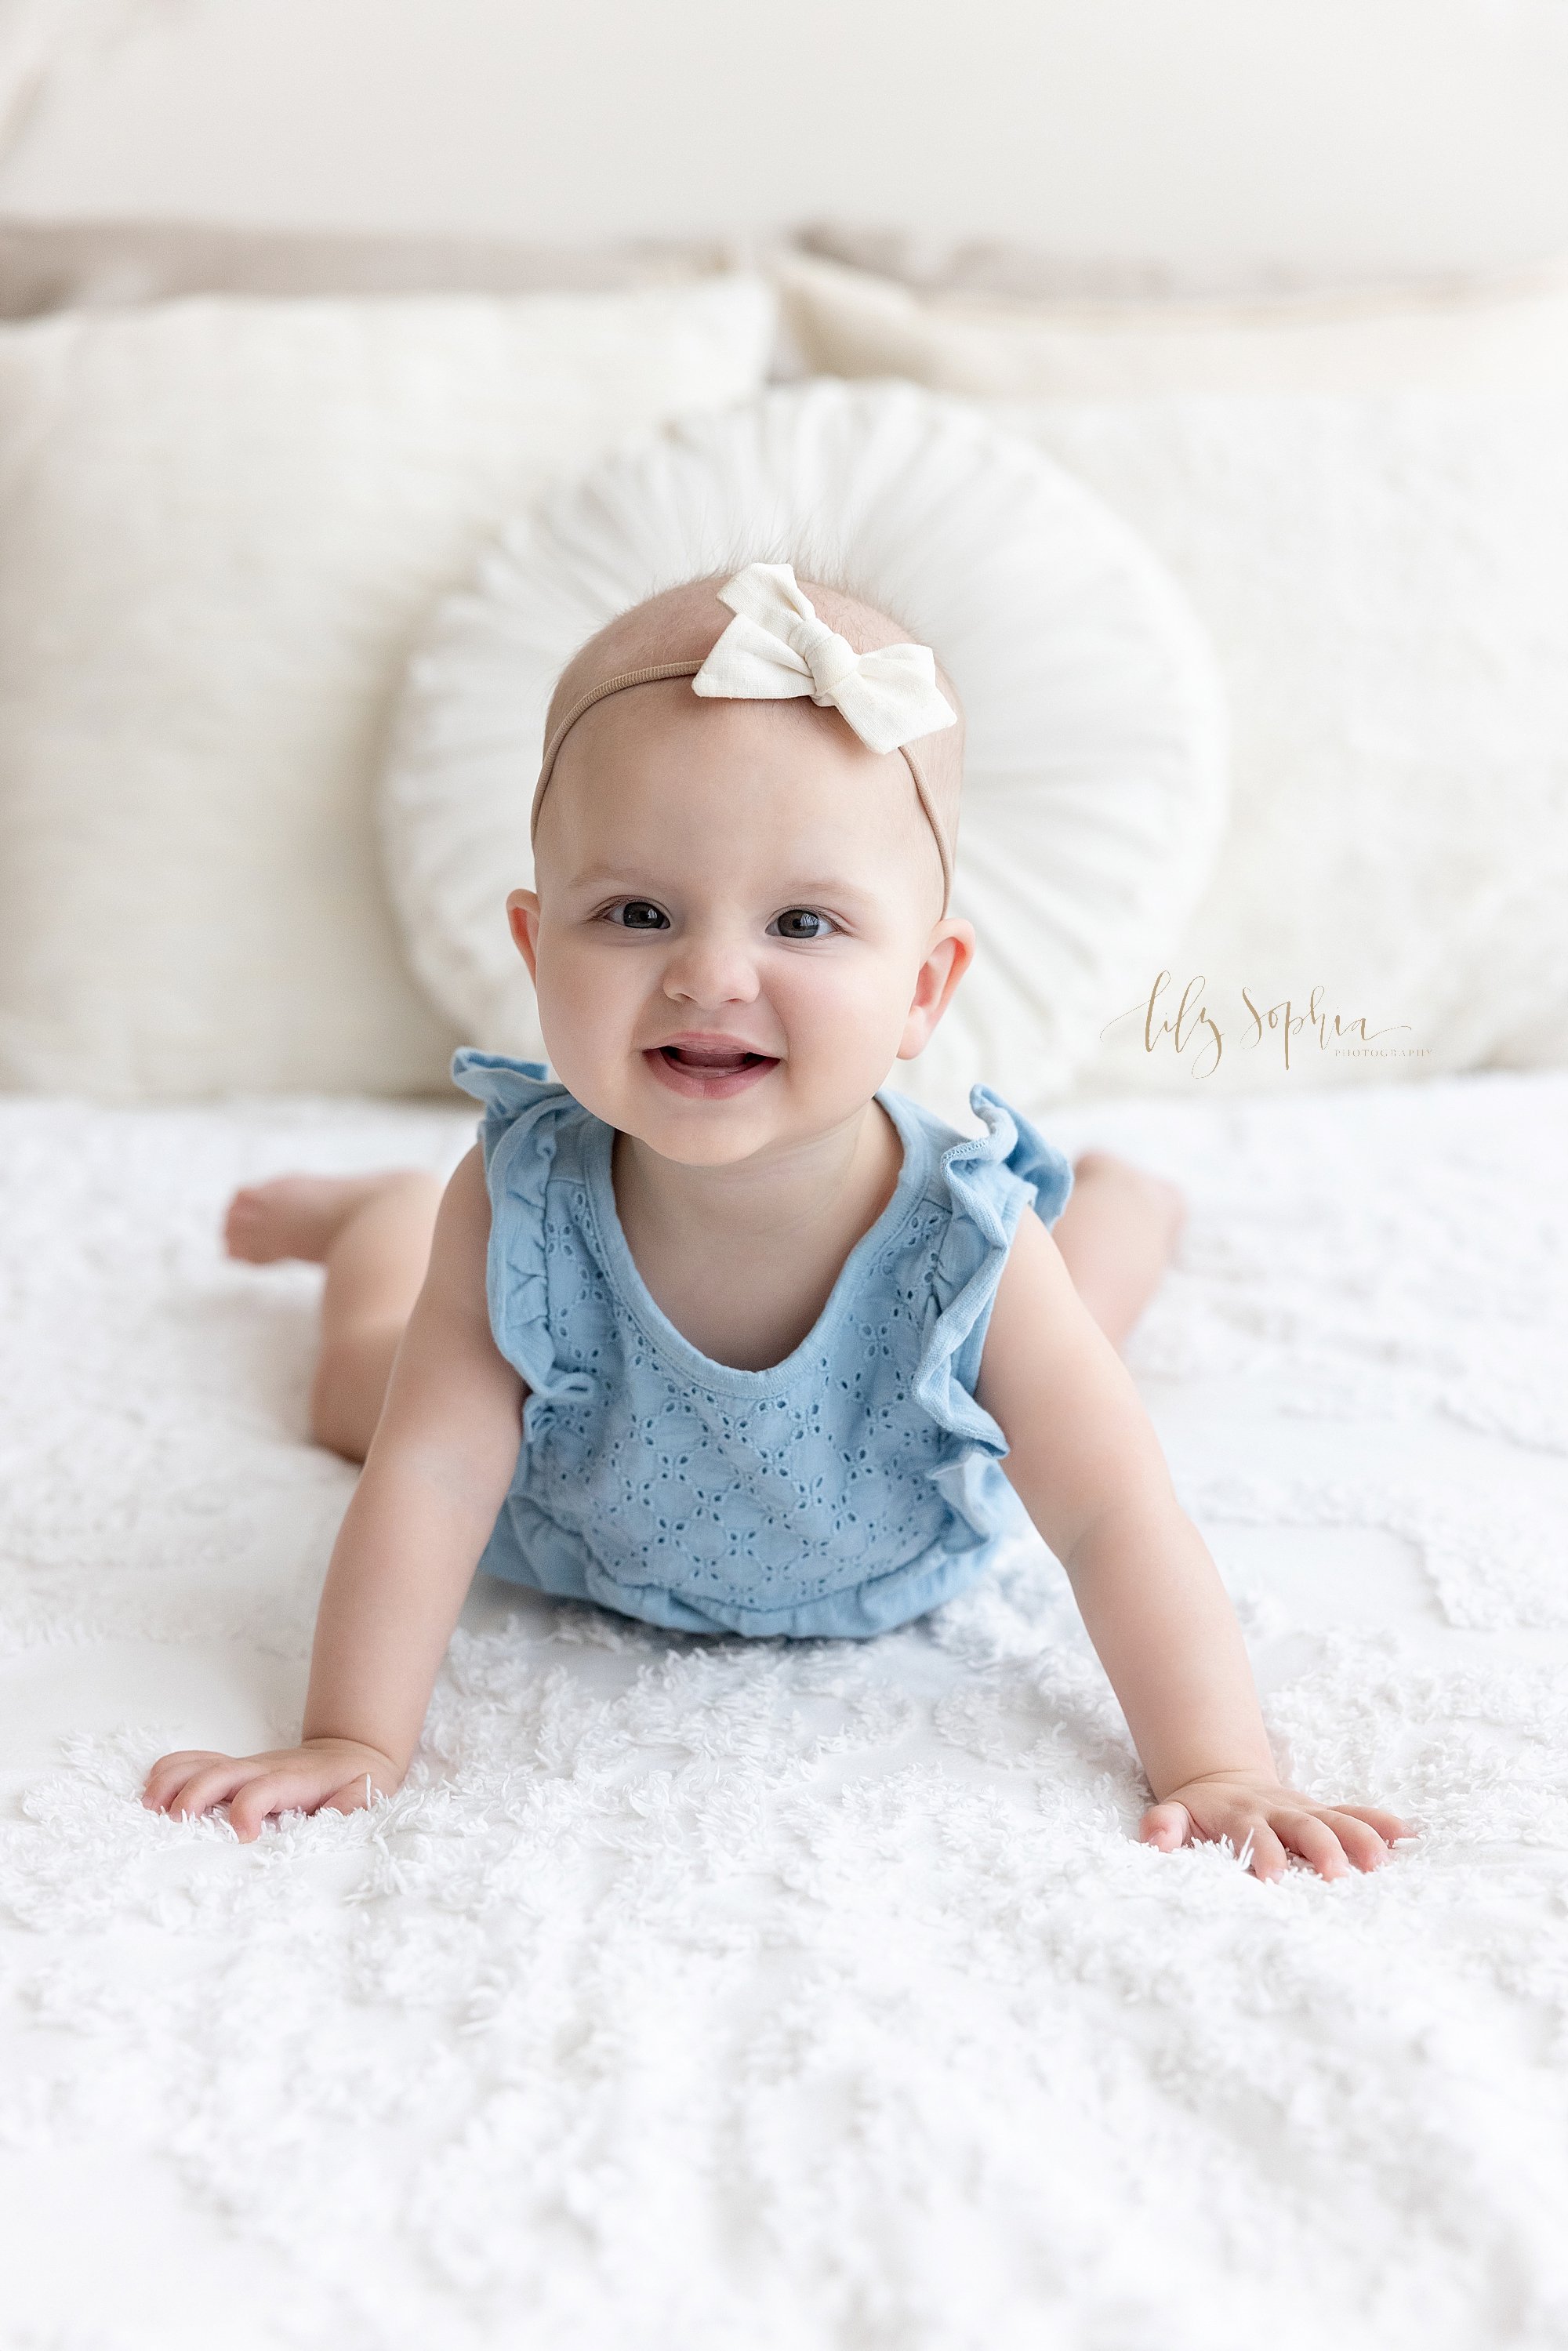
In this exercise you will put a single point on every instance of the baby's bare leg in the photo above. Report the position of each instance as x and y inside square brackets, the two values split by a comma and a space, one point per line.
[372, 1235]
[1116, 1235]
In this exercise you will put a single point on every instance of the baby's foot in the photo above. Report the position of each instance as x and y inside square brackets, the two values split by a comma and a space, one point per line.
[1160, 1204]
[296, 1216]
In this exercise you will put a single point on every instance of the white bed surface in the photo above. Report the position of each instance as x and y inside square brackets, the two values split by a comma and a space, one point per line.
[708, 1993]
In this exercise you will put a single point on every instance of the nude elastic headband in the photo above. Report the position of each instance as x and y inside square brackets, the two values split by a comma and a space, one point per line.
[776, 649]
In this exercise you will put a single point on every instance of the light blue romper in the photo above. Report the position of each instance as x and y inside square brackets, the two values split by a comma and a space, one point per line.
[850, 1487]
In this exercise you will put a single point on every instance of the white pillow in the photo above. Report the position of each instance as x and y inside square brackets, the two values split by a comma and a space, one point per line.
[1094, 790]
[220, 523]
[1509, 334]
[1385, 582]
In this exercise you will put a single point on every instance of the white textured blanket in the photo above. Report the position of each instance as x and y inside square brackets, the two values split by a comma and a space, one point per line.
[714, 1993]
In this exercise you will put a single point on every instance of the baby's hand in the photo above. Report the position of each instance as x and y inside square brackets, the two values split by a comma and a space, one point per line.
[339, 1774]
[1245, 1806]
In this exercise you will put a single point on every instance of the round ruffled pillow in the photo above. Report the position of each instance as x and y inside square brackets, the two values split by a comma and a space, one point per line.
[1094, 786]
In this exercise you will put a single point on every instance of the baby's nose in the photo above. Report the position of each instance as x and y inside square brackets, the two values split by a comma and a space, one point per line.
[708, 968]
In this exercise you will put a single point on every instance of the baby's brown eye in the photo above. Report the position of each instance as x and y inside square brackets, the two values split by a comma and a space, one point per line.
[639, 915]
[801, 922]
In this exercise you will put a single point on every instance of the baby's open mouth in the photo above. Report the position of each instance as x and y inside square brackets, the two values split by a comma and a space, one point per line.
[708, 1068]
[714, 1058]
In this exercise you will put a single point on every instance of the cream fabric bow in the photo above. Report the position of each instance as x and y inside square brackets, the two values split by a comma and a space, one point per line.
[776, 648]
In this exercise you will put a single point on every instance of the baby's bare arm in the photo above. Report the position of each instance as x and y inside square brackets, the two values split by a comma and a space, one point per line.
[1087, 1465]
[435, 1476]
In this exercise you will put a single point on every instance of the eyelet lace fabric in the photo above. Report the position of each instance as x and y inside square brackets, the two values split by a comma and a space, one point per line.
[850, 1487]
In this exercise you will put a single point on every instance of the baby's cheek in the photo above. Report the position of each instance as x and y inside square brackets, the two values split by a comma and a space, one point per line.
[587, 1006]
[844, 1016]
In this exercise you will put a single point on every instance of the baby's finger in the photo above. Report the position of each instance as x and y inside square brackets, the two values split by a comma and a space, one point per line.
[1365, 1848]
[179, 1755]
[212, 1785]
[1165, 1825]
[1268, 1858]
[291, 1788]
[171, 1772]
[355, 1795]
[1314, 1841]
[1389, 1825]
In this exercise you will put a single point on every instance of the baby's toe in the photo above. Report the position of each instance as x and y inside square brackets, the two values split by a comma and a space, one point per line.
[1154, 1198]
[246, 1229]
[1175, 1199]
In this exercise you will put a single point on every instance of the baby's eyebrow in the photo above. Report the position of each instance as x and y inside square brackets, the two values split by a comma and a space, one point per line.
[594, 877]
[791, 890]
[837, 888]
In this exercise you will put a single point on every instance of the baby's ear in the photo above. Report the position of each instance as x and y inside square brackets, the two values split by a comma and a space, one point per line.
[523, 914]
[947, 958]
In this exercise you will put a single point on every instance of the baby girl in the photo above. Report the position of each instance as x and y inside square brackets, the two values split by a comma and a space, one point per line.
[713, 1329]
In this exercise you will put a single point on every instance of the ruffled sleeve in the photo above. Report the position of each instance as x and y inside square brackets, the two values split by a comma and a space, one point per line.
[524, 1109]
[507, 1088]
[1023, 1151]
[990, 1180]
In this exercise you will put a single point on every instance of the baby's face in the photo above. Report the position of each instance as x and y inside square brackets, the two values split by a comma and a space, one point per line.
[737, 925]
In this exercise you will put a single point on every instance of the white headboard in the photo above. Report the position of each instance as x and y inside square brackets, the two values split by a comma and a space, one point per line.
[1340, 135]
